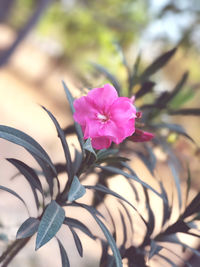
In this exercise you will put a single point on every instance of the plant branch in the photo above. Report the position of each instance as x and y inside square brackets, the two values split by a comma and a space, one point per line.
[12, 251]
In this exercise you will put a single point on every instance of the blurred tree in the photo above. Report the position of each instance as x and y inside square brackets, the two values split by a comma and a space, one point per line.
[85, 28]
[88, 28]
[184, 15]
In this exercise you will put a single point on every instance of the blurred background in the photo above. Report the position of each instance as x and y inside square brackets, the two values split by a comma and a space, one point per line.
[45, 41]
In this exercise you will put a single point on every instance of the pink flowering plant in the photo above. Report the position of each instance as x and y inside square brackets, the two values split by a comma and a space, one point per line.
[105, 117]
[108, 128]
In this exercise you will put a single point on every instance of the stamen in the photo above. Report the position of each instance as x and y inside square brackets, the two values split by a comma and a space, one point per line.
[102, 117]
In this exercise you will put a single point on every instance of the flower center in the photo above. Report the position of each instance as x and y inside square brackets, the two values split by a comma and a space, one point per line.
[103, 118]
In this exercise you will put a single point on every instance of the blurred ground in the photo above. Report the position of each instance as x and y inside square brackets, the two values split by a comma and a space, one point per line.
[28, 81]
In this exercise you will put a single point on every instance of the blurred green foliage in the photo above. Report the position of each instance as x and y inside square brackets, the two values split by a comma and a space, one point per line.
[20, 13]
[87, 29]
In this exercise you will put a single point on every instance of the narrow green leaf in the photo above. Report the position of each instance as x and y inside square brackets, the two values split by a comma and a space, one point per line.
[181, 98]
[77, 190]
[28, 228]
[107, 234]
[28, 172]
[160, 62]
[186, 112]
[151, 217]
[122, 55]
[30, 176]
[79, 225]
[61, 135]
[146, 88]
[77, 126]
[114, 232]
[77, 241]
[63, 253]
[178, 87]
[20, 138]
[113, 160]
[166, 207]
[128, 215]
[51, 222]
[148, 158]
[111, 241]
[136, 67]
[14, 194]
[125, 236]
[188, 186]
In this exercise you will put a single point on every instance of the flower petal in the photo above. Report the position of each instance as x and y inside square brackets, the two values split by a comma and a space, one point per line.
[141, 136]
[84, 110]
[101, 142]
[122, 110]
[103, 97]
[91, 129]
[112, 131]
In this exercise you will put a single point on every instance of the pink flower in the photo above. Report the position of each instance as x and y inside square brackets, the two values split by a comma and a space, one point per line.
[105, 117]
[141, 136]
